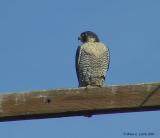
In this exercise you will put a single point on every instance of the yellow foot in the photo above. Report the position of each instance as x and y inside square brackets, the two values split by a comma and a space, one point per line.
[91, 86]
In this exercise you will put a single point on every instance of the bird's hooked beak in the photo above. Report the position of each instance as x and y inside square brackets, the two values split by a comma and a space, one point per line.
[79, 38]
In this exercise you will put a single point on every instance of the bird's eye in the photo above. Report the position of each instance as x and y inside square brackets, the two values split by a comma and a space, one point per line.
[83, 35]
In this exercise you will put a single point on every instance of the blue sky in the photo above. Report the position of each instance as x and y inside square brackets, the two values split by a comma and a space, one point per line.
[38, 40]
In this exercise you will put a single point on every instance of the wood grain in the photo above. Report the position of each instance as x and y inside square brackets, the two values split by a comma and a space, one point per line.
[76, 102]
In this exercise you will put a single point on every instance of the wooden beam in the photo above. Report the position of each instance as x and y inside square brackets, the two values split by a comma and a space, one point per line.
[76, 102]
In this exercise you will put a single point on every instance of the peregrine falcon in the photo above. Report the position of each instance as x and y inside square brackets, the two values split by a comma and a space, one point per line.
[92, 60]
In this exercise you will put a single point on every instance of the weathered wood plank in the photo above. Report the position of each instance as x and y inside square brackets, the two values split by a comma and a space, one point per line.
[75, 102]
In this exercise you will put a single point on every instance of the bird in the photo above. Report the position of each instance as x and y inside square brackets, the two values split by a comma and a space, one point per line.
[92, 60]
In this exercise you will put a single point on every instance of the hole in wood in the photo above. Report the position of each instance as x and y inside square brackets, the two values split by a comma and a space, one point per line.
[48, 100]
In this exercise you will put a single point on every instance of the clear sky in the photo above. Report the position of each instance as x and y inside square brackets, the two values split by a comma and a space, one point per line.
[38, 40]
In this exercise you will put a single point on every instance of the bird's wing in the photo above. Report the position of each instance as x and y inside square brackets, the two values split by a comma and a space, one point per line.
[108, 57]
[105, 60]
[77, 61]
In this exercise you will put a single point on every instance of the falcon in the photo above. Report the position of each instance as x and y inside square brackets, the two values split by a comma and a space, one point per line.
[92, 60]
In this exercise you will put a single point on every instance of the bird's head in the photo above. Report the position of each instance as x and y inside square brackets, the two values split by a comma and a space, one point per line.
[88, 36]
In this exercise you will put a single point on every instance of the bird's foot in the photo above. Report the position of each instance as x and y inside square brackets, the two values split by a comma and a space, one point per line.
[91, 86]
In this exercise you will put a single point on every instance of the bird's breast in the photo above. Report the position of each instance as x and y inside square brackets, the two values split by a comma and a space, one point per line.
[95, 49]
